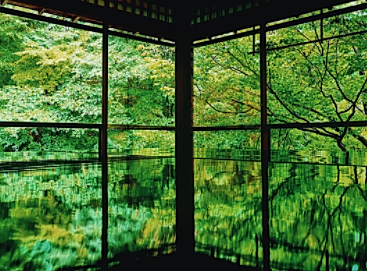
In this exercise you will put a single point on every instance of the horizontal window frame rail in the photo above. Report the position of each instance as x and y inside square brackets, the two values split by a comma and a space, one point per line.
[152, 41]
[283, 126]
[173, 128]
[49, 20]
[316, 17]
[227, 38]
[318, 125]
[228, 159]
[139, 127]
[312, 41]
[139, 157]
[30, 165]
[29, 124]
[314, 163]
[254, 127]
[78, 26]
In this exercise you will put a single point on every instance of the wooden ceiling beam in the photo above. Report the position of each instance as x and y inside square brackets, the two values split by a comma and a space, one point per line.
[92, 12]
[272, 10]
[269, 12]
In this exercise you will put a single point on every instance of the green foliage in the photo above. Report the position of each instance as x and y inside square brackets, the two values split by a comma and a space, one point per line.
[48, 139]
[53, 74]
[227, 88]
[12, 32]
[317, 82]
[51, 217]
[228, 140]
[141, 84]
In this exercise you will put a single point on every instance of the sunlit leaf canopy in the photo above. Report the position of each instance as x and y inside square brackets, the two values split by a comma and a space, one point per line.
[53, 73]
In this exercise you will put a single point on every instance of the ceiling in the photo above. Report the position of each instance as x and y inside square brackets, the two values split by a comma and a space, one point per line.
[167, 19]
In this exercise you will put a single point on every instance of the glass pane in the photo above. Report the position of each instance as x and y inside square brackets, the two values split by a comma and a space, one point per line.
[228, 140]
[319, 145]
[227, 83]
[50, 217]
[42, 144]
[345, 23]
[228, 217]
[294, 18]
[142, 210]
[228, 214]
[317, 201]
[49, 73]
[142, 191]
[141, 142]
[141, 83]
[293, 35]
[318, 82]
[317, 216]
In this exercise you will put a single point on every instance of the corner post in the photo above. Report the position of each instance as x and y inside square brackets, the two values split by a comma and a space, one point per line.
[103, 145]
[184, 147]
[265, 149]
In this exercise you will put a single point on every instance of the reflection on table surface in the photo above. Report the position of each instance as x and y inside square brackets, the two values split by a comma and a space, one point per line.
[51, 215]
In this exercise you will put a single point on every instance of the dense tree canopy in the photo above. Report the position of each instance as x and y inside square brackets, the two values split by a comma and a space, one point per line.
[53, 74]
[316, 82]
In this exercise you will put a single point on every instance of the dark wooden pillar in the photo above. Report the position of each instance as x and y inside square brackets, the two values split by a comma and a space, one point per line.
[184, 148]
[103, 143]
[265, 149]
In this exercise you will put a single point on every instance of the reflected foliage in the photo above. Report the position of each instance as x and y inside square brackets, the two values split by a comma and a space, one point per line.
[142, 205]
[228, 210]
[51, 217]
[317, 216]
[228, 140]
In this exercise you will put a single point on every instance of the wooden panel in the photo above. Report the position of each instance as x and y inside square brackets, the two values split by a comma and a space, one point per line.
[268, 11]
[207, 11]
[170, 19]
[121, 14]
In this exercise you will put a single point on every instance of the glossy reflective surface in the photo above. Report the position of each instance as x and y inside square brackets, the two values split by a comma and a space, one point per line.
[50, 216]
[317, 215]
[51, 210]
[141, 205]
[228, 214]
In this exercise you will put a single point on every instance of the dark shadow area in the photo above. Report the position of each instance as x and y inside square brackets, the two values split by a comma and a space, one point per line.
[145, 260]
